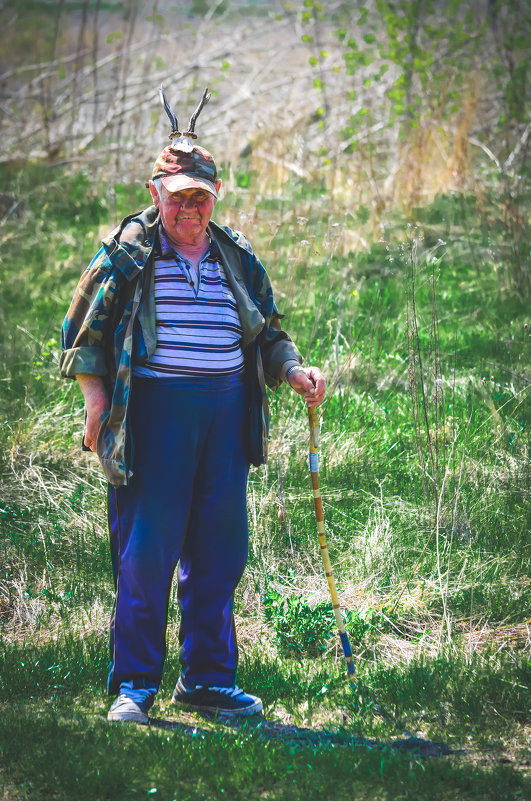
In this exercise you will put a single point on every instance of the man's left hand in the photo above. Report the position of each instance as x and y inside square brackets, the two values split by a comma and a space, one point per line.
[308, 382]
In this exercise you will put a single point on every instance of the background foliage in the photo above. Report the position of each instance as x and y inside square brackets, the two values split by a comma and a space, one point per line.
[377, 157]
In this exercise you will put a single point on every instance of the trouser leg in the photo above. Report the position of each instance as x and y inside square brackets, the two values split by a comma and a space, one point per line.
[190, 475]
[214, 551]
[147, 520]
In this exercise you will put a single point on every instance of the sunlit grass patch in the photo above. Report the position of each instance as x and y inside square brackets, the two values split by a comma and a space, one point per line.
[62, 757]
[56, 742]
[426, 505]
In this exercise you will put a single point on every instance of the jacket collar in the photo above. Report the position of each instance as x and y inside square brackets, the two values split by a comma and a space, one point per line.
[251, 318]
[129, 246]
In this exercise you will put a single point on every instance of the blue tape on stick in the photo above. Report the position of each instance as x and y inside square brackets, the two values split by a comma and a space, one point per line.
[313, 460]
[347, 650]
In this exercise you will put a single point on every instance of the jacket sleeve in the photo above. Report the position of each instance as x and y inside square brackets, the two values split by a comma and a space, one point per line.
[276, 345]
[86, 328]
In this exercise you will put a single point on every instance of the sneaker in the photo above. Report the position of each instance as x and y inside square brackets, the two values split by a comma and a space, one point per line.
[227, 701]
[124, 708]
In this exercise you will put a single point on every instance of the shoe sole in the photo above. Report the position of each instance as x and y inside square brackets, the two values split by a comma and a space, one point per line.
[254, 709]
[128, 717]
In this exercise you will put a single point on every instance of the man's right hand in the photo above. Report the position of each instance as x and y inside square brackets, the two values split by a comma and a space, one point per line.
[96, 404]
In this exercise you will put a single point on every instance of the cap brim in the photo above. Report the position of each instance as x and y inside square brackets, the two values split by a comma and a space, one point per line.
[174, 183]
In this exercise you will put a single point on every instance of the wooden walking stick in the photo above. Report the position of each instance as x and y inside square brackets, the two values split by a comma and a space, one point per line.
[329, 573]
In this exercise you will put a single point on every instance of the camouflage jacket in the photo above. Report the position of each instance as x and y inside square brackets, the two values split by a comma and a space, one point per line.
[111, 324]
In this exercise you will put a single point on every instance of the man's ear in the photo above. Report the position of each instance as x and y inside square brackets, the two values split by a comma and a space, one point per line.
[218, 187]
[154, 194]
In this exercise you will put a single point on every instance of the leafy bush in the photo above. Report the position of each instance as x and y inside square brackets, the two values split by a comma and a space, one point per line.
[299, 628]
[304, 629]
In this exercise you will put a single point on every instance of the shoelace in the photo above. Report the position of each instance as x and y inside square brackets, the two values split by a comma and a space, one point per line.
[123, 700]
[232, 692]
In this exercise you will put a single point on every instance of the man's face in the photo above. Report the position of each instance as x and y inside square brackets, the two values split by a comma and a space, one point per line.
[184, 214]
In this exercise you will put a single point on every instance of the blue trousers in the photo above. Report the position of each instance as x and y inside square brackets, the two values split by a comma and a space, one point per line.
[186, 501]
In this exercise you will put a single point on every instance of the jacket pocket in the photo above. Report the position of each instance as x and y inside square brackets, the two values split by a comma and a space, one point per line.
[101, 445]
[256, 395]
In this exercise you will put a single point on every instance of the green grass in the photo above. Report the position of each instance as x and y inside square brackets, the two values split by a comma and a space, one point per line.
[81, 757]
[95, 763]
[425, 479]
[56, 743]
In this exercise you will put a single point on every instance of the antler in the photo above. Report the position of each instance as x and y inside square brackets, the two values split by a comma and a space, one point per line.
[191, 125]
[184, 140]
[173, 119]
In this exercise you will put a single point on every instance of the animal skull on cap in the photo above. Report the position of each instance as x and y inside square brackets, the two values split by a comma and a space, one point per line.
[183, 141]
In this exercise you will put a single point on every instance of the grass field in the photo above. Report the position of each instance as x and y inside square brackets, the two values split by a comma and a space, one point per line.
[421, 323]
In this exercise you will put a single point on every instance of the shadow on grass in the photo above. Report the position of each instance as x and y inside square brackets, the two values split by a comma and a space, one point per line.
[304, 737]
[49, 751]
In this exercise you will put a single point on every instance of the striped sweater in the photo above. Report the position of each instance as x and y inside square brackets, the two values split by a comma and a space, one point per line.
[198, 326]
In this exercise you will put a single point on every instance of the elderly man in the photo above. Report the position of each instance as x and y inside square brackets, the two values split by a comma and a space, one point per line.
[172, 335]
